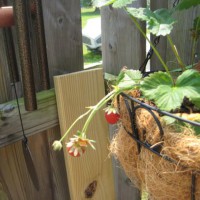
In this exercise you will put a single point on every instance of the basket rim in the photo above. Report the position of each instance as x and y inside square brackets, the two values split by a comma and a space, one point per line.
[142, 104]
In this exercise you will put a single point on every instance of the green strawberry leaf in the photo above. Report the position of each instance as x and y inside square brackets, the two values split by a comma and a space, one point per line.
[168, 120]
[129, 78]
[122, 3]
[115, 3]
[186, 4]
[169, 96]
[159, 22]
[151, 83]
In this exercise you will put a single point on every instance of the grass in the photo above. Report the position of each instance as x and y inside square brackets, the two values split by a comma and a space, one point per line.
[89, 56]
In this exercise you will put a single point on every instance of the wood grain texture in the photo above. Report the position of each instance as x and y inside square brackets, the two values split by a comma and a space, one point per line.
[34, 122]
[74, 92]
[181, 36]
[15, 180]
[122, 44]
[4, 73]
[62, 22]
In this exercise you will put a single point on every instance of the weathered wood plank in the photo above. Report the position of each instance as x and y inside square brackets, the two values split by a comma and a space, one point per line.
[122, 44]
[4, 73]
[181, 36]
[62, 21]
[43, 118]
[15, 180]
[74, 92]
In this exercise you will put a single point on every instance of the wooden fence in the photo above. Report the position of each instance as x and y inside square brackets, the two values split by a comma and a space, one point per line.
[122, 45]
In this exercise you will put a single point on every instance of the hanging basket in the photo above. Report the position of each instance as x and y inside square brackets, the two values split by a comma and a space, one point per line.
[163, 160]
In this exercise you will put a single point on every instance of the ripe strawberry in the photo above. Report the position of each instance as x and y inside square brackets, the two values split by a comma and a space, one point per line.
[111, 114]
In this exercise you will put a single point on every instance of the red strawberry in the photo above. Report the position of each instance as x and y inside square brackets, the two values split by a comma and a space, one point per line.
[111, 114]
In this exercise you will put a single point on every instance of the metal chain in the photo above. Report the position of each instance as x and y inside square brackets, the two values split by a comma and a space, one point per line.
[151, 51]
[149, 55]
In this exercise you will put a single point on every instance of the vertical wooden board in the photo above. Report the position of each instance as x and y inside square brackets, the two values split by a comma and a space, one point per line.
[155, 64]
[4, 74]
[15, 179]
[62, 22]
[122, 43]
[181, 36]
[58, 172]
[74, 92]
[125, 190]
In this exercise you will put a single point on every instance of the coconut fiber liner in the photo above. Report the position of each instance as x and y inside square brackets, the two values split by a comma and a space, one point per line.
[172, 170]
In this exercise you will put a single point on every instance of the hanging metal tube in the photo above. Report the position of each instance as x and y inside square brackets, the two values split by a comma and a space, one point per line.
[40, 42]
[6, 16]
[21, 22]
[9, 48]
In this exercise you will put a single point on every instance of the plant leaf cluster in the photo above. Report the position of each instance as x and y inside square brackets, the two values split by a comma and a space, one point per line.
[159, 22]
[167, 93]
[159, 87]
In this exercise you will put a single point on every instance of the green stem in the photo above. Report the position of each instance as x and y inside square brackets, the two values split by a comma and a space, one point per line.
[193, 51]
[180, 62]
[72, 125]
[101, 103]
[195, 41]
[153, 47]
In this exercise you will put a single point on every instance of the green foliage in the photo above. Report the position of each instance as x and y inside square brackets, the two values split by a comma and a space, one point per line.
[129, 78]
[159, 22]
[196, 28]
[169, 96]
[115, 3]
[159, 87]
[167, 93]
[186, 4]
[121, 3]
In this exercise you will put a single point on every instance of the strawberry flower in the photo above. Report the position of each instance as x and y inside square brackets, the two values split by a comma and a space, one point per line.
[78, 144]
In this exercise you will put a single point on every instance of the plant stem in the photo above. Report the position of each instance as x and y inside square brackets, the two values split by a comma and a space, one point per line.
[195, 41]
[153, 47]
[180, 62]
[72, 125]
[97, 107]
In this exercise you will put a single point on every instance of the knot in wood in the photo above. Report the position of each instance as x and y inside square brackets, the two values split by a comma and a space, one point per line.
[90, 190]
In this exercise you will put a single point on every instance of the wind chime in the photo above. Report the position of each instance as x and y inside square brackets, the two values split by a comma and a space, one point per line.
[25, 16]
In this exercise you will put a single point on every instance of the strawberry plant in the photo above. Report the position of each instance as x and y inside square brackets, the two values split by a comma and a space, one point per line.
[167, 92]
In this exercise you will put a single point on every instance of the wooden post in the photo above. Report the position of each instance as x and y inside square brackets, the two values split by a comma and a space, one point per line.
[62, 23]
[182, 37]
[122, 43]
[91, 175]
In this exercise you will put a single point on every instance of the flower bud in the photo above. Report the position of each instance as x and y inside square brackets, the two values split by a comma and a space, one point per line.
[57, 145]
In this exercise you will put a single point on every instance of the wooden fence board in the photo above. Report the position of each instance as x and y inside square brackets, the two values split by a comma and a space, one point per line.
[41, 119]
[15, 180]
[62, 21]
[181, 36]
[122, 44]
[74, 92]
